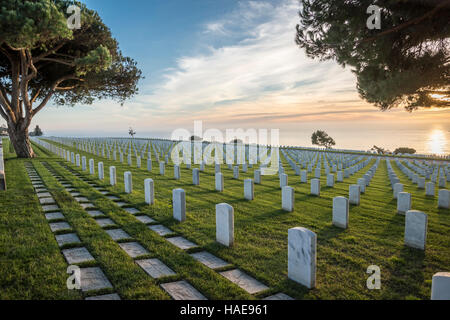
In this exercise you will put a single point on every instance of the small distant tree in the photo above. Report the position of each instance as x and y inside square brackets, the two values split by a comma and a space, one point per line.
[321, 138]
[379, 150]
[131, 132]
[195, 138]
[405, 150]
[37, 132]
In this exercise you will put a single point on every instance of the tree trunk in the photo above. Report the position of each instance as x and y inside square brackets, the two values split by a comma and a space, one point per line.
[18, 134]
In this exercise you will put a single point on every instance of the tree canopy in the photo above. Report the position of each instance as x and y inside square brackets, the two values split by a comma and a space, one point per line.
[42, 59]
[321, 138]
[405, 150]
[36, 132]
[406, 63]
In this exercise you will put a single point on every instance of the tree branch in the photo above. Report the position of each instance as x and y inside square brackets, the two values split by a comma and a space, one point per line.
[417, 20]
[59, 61]
[52, 91]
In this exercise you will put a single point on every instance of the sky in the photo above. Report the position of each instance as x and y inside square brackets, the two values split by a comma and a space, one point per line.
[235, 64]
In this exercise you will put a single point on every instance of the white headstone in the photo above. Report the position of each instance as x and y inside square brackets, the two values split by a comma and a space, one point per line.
[112, 176]
[403, 202]
[179, 204]
[398, 187]
[128, 182]
[176, 172]
[162, 168]
[257, 176]
[287, 198]
[138, 161]
[283, 180]
[83, 163]
[317, 173]
[101, 172]
[440, 286]
[444, 199]
[354, 194]
[302, 245]
[249, 189]
[303, 176]
[416, 223]
[236, 172]
[429, 189]
[219, 181]
[330, 180]
[91, 166]
[78, 160]
[196, 176]
[225, 224]
[340, 212]
[421, 183]
[315, 187]
[149, 190]
[149, 164]
[362, 185]
[340, 176]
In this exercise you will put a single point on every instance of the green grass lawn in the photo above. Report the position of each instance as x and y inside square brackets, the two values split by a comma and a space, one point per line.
[33, 267]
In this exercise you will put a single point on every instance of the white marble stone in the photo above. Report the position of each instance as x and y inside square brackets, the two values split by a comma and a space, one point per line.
[421, 183]
[354, 194]
[440, 286]
[315, 187]
[138, 161]
[444, 199]
[162, 168]
[287, 199]
[257, 176]
[236, 172]
[118, 234]
[149, 164]
[67, 238]
[179, 204]
[128, 181]
[112, 176]
[302, 245]
[249, 189]
[91, 166]
[176, 172]
[340, 212]
[317, 173]
[303, 176]
[362, 185]
[416, 224]
[83, 163]
[340, 176]
[219, 181]
[403, 202]
[330, 180]
[196, 177]
[225, 224]
[398, 187]
[149, 190]
[283, 180]
[160, 229]
[101, 173]
[429, 189]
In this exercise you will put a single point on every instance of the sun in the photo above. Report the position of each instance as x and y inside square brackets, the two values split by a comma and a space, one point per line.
[437, 142]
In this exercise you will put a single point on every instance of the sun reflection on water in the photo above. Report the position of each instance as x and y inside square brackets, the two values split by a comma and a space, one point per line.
[437, 142]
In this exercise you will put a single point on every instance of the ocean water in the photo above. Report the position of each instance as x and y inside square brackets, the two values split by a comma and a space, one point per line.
[425, 141]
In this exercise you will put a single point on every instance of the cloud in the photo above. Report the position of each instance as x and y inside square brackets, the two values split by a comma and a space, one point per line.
[264, 69]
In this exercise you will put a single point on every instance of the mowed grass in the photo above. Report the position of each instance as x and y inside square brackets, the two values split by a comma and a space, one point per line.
[374, 237]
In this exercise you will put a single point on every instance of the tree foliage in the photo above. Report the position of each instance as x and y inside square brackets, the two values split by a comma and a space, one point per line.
[42, 59]
[131, 132]
[404, 150]
[380, 150]
[36, 132]
[321, 138]
[405, 63]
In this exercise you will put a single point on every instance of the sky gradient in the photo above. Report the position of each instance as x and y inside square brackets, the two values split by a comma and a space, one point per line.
[235, 64]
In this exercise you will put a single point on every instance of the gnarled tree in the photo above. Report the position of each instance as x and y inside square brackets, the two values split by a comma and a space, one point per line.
[321, 138]
[405, 63]
[42, 59]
